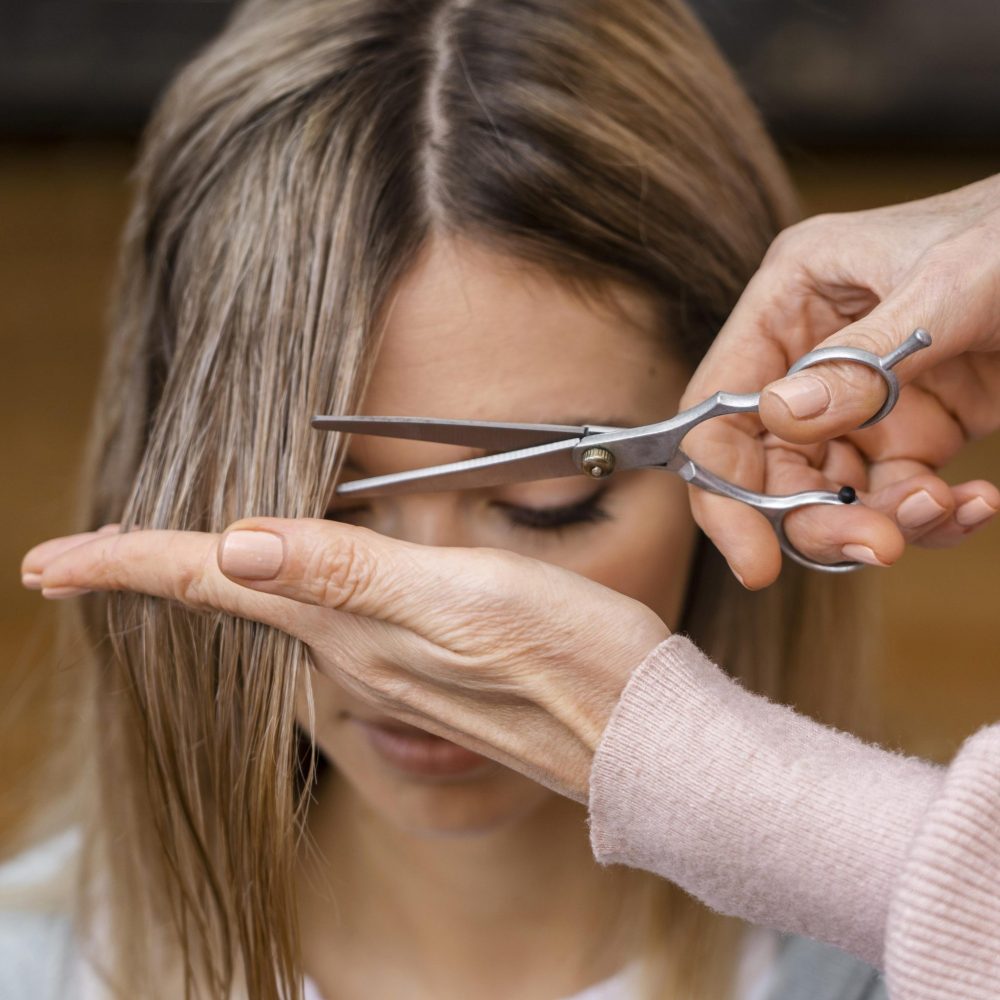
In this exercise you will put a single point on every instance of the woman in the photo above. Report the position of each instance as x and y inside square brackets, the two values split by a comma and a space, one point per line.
[532, 211]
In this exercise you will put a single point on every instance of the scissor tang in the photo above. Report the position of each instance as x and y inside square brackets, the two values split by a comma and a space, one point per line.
[653, 445]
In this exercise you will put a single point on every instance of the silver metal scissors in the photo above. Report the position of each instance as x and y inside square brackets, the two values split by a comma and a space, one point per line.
[546, 451]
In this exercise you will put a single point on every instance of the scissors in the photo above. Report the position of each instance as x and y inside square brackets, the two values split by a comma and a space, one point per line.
[523, 452]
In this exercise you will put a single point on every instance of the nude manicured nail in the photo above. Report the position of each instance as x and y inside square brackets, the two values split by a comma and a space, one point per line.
[918, 509]
[863, 554]
[252, 555]
[59, 593]
[33, 581]
[804, 395]
[974, 512]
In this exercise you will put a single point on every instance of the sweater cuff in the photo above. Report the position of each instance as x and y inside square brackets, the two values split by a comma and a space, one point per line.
[944, 921]
[754, 809]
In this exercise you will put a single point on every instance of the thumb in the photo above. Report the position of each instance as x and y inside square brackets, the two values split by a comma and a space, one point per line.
[836, 397]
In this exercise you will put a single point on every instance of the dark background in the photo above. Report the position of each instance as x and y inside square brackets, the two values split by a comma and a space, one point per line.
[845, 73]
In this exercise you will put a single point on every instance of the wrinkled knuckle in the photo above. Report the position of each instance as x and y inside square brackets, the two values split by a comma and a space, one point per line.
[856, 386]
[339, 572]
[851, 375]
[190, 587]
[790, 243]
[946, 264]
[873, 341]
[784, 245]
[109, 564]
[810, 535]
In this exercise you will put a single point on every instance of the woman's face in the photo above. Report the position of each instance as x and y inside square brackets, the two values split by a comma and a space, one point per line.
[475, 335]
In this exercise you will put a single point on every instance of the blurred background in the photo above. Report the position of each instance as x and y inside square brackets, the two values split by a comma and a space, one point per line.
[872, 101]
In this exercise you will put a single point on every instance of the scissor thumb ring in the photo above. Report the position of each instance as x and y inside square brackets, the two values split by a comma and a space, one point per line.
[917, 341]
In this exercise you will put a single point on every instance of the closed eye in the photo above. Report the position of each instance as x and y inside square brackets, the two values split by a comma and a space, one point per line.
[586, 511]
[589, 510]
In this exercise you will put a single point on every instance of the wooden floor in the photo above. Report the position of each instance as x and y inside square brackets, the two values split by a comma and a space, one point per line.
[60, 212]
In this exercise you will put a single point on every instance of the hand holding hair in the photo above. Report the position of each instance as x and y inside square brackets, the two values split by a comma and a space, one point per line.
[756, 810]
[862, 279]
[514, 658]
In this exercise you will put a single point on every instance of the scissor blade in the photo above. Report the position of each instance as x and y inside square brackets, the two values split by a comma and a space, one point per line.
[546, 461]
[471, 433]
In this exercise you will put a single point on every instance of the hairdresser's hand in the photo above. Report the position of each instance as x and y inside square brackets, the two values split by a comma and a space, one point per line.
[865, 279]
[516, 659]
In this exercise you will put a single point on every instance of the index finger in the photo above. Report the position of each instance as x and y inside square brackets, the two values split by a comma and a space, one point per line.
[746, 355]
[39, 556]
[176, 565]
[266, 568]
[731, 448]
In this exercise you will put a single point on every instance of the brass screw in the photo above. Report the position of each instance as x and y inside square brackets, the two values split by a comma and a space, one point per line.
[598, 462]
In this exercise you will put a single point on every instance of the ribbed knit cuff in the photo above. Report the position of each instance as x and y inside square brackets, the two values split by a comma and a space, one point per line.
[752, 808]
[943, 938]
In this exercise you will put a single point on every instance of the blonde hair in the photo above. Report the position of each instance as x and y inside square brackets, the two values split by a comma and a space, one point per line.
[287, 181]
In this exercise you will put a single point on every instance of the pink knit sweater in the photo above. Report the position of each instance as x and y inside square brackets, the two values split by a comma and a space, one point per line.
[768, 815]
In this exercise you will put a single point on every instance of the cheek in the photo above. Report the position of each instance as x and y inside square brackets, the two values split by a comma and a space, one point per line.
[646, 551]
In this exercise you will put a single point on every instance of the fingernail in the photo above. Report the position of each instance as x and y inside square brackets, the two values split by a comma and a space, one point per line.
[863, 554]
[804, 395]
[918, 509]
[58, 593]
[33, 581]
[974, 512]
[252, 555]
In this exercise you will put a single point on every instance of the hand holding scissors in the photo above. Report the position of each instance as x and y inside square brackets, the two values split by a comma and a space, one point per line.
[862, 279]
[545, 451]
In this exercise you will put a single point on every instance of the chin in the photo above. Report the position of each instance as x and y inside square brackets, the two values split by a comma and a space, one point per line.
[457, 810]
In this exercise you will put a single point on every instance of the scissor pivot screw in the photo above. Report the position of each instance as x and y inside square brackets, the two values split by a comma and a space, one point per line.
[598, 462]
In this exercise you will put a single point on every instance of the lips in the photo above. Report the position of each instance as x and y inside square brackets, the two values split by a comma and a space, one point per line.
[418, 753]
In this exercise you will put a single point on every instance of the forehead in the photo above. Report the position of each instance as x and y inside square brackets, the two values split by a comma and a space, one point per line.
[475, 334]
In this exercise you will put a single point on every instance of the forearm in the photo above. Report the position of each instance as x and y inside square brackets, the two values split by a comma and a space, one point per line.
[754, 809]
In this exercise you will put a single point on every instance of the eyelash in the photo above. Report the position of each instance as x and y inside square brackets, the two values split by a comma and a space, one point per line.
[556, 519]
[549, 519]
